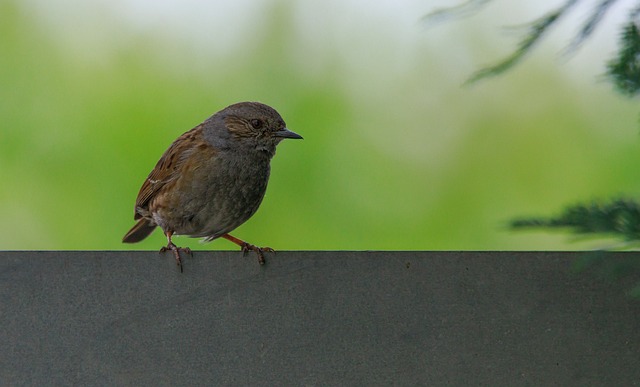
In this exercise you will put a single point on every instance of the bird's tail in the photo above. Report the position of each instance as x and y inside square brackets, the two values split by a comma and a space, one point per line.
[141, 230]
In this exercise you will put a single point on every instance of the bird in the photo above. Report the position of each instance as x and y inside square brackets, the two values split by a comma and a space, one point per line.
[211, 179]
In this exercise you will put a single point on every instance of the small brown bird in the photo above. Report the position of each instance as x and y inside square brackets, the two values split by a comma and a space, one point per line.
[212, 178]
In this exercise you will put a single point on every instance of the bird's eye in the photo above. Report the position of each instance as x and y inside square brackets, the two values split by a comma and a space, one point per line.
[257, 124]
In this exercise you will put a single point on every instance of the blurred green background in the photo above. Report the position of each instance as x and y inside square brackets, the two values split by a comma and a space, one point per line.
[397, 154]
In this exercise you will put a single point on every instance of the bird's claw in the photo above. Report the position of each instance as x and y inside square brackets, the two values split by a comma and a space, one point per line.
[246, 247]
[176, 253]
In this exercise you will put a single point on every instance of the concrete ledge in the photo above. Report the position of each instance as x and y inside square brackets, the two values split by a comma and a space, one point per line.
[313, 318]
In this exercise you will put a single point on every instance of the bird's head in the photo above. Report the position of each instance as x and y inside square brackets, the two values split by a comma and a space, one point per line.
[253, 125]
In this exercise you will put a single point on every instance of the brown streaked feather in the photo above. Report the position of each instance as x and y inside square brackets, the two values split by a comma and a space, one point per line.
[238, 126]
[168, 168]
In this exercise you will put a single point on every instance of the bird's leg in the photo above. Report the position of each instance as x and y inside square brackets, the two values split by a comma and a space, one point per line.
[248, 246]
[175, 249]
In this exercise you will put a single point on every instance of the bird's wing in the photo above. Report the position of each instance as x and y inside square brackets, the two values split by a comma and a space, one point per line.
[168, 168]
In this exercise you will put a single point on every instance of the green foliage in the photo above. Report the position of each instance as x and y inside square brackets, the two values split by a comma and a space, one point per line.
[624, 70]
[467, 8]
[618, 217]
[536, 30]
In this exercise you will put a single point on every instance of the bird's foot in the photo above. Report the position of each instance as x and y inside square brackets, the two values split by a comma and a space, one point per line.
[246, 247]
[176, 253]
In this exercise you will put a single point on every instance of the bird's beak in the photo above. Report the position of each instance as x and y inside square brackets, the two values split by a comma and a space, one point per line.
[286, 133]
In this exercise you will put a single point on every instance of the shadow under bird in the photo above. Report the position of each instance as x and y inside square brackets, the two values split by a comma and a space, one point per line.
[212, 178]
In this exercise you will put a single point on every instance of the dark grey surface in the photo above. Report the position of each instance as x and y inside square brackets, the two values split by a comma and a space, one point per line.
[313, 318]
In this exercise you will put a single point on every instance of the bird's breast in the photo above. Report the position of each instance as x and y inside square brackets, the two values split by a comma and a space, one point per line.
[225, 192]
